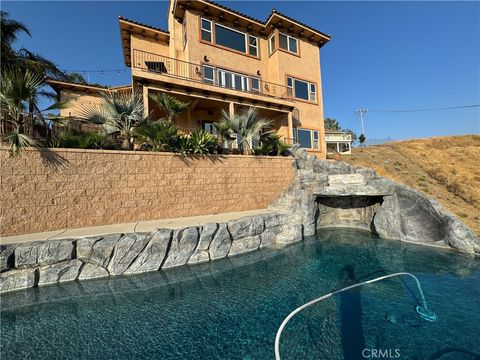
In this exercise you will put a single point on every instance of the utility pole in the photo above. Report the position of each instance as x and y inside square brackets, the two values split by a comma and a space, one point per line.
[360, 113]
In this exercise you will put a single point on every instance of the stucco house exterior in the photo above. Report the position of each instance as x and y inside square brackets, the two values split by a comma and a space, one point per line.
[217, 58]
[339, 141]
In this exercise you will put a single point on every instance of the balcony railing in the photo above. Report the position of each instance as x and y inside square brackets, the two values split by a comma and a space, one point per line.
[338, 137]
[207, 74]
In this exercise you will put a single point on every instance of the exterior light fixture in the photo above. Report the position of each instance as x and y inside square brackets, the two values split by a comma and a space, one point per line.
[205, 58]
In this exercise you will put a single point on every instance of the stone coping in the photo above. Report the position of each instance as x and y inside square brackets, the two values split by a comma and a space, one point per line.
[132, 227]
[149, 153]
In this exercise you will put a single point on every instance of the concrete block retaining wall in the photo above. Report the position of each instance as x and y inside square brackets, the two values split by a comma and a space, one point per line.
[39, 263]
[72, 188]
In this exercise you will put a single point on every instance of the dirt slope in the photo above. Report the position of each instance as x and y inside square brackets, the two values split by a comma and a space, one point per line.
[445, 168]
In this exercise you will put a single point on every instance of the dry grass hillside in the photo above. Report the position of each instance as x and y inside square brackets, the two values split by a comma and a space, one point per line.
[445, 168]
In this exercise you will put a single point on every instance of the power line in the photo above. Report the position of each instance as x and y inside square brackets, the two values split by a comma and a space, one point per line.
[97, 71]
[431, 109]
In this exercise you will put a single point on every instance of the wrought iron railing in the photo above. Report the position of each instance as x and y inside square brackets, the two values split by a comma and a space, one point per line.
[207, 74]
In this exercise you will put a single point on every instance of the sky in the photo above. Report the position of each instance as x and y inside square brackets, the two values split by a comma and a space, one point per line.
[383, 55]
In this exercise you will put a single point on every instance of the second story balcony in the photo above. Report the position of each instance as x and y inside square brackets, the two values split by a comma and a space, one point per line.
[338, 137]
[207, 74]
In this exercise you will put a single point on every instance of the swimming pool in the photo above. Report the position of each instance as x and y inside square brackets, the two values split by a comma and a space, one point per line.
[231, 308]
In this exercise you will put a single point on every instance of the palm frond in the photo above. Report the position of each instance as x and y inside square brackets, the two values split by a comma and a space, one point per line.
[19, 141]
[171, 106]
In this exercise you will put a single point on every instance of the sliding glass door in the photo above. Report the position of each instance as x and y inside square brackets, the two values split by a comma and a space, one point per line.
[232, 80]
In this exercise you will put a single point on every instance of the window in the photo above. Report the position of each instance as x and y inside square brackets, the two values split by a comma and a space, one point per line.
[232, 80]
[315, 140]
[301, 89]
[290, 86]
[206, 30]
[286, 42]
[208, 74]
[271, 44]
[313, 92]
[308, 139]
[252, 45]
[230, 38]
[304, 138]
[210, 127]
[292, 45]
[255, 84]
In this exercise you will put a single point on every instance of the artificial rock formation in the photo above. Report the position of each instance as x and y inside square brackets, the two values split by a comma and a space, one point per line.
[336, 194]
[47, 262]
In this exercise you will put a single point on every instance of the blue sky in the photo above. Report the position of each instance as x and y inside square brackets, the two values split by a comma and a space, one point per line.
[382, 56]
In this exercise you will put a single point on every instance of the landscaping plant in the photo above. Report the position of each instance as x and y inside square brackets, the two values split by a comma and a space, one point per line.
[171, 106]
[202, 142]
[248, 126]
[157, 136]
[122, 111]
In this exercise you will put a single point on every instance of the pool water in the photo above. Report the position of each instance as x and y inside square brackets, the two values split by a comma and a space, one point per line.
[232, 308]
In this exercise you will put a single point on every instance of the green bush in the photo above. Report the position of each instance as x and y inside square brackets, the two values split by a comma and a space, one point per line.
[183, 145]
[203, 142]
[84, 141]
[271, 145]
[159, 136]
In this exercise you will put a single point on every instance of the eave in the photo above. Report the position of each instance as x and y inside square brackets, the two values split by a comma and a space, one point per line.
[291, 26]
[129, 27]
[226, 15]
[61, 85]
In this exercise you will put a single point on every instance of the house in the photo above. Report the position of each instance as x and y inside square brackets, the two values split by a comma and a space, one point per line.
[339, 141]
[217, 58]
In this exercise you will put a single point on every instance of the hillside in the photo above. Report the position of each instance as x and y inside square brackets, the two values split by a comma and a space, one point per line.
[445, 168]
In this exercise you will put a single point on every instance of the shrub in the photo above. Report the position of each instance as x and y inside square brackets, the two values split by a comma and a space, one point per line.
[183, 145]
[272, 145]
[159, 136]
[84, 141]
[202, 142]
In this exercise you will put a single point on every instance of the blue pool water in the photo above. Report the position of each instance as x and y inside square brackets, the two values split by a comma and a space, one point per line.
[231, 309]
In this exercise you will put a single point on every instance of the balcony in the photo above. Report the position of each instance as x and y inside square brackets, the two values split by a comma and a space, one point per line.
[338, 137]
[207, 74]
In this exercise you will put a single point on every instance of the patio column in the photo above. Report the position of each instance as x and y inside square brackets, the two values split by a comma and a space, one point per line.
[338, 147]
[145, 100]
[231, 108]
[290, 125]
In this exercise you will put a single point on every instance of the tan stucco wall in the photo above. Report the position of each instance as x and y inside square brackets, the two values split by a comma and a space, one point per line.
[108, 187]
[273, 68]
[77, 103]
[148, 45]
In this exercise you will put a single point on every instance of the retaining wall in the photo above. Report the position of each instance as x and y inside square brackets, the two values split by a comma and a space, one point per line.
[71, 188]
[47, 262]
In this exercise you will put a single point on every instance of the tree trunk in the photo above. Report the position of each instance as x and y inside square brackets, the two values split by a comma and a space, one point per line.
[126, 145]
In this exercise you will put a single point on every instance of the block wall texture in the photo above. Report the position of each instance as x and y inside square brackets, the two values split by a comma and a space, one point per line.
[71, 188]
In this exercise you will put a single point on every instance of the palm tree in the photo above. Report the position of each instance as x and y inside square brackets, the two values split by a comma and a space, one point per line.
[20, 90]
[331, 124]
[25, 59]
[170, 105]
[248, 126]
[123, 111]
[272, 145]
[158, 136]
[9, 29]
[224, 133]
